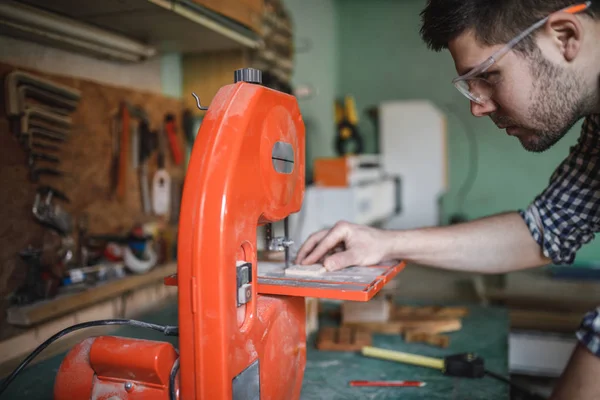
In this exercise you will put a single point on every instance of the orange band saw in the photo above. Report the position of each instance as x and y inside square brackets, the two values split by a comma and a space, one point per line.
[241, 323]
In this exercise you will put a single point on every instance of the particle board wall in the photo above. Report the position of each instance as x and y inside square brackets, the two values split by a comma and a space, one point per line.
[204, 74]
[86, 157]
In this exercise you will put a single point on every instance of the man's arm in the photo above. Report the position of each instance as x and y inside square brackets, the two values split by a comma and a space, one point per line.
[495, 244]
[579, 380]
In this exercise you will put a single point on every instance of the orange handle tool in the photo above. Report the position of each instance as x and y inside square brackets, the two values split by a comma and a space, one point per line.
[172, 135]
[124, 152]
[388, 383]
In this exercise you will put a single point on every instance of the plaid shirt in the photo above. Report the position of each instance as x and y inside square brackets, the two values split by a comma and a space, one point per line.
[566, 214]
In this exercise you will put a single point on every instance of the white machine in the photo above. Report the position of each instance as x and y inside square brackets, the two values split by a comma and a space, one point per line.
[371, 197]
[413, 146]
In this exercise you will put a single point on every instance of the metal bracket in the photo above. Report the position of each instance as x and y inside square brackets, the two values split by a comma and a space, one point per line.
[198, 102]
[244, 282]
[280, 243]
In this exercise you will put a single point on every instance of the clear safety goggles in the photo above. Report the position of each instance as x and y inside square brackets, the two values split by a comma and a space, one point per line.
[480, 90]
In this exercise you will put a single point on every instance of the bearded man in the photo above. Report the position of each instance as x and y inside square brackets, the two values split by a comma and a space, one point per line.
[533, 67]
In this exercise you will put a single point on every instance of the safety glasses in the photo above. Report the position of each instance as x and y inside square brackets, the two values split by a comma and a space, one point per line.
[480, 90]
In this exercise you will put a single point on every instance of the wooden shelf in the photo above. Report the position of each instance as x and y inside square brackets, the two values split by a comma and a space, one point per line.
[36, 313]
[171, 26]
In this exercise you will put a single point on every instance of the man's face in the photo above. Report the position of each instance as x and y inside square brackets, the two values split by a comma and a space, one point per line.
[535, 100]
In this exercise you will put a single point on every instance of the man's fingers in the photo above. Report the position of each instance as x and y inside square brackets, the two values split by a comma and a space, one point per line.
[328, 242]
[340, 260]
[309, 245]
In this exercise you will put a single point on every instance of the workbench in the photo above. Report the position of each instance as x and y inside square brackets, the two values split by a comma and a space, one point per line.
[485, 332]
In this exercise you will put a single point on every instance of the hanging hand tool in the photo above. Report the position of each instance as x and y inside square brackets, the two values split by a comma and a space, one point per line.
[123, 152]
[348, 139]
[188, 127]
[34, 156]
[161, 187]
[121, 128]
[41, 89]
[148, 144]
[36, 173]
[42, 146]
[44, 99]
[46, 135]
[171, 130]
[32, 162]
[38, 117]
[50, 213]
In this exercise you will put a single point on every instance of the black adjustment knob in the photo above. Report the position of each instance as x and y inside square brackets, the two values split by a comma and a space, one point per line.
[250, 75]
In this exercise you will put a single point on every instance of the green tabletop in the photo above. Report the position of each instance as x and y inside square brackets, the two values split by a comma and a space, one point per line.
[485, 331]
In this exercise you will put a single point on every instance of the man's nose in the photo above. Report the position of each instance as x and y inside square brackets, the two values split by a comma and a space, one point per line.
[482, 110]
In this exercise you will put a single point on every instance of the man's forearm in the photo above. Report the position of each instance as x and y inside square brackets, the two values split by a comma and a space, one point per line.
[496, 244]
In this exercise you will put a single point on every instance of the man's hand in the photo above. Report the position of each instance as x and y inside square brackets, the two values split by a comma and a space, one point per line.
[498, 244]
[360, 245]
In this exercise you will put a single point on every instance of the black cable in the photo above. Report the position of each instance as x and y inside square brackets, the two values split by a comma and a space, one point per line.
[166, 329]
[174, 370]
[527, 392]
[473, 159]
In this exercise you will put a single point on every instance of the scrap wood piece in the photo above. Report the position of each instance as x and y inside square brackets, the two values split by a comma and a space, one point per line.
[378, 309]
[399, 327]
[377, 327]
[403, 312]
[433, 326]
[414, 336]
[343, 339]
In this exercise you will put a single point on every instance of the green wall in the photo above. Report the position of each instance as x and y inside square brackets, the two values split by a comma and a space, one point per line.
[316, 65]
[371, 49]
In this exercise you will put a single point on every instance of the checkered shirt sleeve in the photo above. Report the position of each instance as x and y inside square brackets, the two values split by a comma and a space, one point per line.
[566, 215]
[588, 333]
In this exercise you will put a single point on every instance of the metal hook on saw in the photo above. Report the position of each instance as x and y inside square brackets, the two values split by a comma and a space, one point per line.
[198, 102]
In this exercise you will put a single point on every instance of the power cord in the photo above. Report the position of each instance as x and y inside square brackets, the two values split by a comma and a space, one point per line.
[467, 185]
[174, 370]
[168, 330]
[529, 395]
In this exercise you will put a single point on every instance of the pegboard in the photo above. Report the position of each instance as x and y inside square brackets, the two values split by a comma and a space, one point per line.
[86, 158]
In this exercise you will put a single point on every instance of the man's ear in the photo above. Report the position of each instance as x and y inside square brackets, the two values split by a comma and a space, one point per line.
[566, 32]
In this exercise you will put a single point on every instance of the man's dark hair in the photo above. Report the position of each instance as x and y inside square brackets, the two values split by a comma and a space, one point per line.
[493, 21]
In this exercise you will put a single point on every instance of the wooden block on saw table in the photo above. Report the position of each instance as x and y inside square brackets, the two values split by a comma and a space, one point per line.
[424, 337]
[305, 270]
[343, 339]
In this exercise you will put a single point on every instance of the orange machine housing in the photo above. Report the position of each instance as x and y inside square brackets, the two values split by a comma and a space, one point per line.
[235, 340]
[225, 348]
[231, 187]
